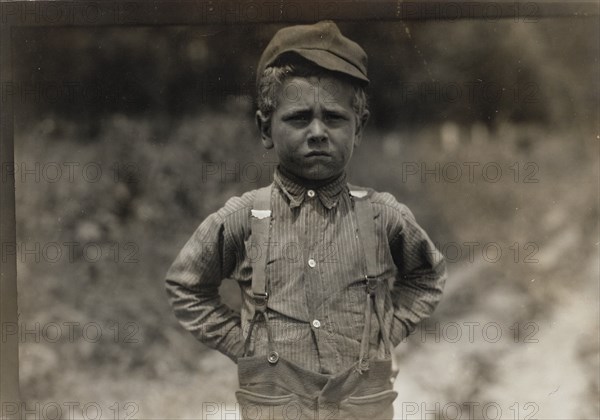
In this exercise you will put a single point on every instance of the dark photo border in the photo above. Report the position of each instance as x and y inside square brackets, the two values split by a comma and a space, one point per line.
[167, 12]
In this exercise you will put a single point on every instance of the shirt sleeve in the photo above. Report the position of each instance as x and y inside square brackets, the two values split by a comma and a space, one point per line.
[421, 276]
[192, 284]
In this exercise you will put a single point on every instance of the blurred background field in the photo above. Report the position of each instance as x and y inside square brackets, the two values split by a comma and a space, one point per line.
[127, 138]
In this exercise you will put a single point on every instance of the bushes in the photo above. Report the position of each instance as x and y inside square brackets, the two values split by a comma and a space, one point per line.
[422, 72]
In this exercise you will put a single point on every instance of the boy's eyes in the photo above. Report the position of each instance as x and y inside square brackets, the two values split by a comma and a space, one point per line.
[301, 116]
[304, 117]
[334, 116]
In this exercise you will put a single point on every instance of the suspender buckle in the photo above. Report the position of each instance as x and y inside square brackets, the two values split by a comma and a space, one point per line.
[260, 300]
[363, 365]
[371, 285]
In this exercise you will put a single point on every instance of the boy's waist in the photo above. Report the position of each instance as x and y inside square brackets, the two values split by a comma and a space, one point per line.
[327, 346]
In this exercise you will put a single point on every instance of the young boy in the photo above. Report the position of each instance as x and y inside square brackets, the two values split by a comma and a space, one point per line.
[332, 276]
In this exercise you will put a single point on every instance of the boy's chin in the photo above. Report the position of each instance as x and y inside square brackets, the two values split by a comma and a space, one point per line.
[317, 173]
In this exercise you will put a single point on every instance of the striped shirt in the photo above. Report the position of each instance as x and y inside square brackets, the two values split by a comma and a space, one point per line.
[316, 275]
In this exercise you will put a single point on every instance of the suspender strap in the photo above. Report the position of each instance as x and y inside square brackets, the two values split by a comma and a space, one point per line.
[260, 222]
[261, 229]
[366, 232]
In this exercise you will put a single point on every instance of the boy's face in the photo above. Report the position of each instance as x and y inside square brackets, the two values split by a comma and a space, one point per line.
[314, 128]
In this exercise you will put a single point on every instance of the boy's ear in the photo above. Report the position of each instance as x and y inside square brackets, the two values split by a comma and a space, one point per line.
[360, 127]
[264, 126]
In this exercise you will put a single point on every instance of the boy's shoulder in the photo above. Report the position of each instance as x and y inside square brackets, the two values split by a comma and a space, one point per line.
[379, 199]
[238, 204]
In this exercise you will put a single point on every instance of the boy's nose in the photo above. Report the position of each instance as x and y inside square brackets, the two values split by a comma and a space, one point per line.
[317, 132]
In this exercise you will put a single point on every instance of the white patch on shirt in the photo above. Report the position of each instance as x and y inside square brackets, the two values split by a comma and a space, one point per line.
[261, 214]
[358, 193]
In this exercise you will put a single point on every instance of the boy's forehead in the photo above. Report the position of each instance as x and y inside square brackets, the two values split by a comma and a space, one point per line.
[324, 89]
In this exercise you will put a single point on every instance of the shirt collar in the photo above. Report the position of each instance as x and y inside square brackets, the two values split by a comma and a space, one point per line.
[296, 190]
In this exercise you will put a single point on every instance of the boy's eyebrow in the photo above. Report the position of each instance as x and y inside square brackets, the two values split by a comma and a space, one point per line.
[335, 108]
[328, 106]
[297, 110]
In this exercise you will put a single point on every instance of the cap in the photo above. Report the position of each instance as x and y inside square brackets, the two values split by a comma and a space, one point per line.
[322, 44]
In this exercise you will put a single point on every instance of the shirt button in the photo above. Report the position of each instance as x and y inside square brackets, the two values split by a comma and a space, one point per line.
[312, 263]
[311, 193]
[316, 323]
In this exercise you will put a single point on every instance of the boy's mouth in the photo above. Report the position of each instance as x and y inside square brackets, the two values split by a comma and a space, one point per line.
[317, 153]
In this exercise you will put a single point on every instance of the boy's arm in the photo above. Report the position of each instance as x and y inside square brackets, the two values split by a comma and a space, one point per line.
[421, 275]
[193, 282]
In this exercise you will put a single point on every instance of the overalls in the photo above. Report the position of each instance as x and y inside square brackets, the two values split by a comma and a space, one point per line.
[272, 387]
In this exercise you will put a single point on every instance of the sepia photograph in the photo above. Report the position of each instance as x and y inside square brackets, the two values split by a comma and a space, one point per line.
[300, 210]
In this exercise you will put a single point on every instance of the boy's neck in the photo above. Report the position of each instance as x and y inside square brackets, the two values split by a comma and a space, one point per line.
[308, 183]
